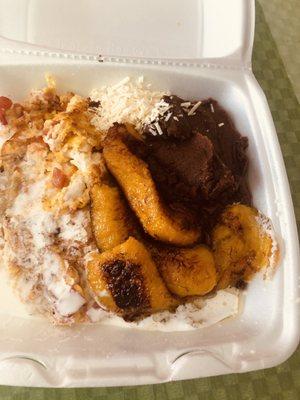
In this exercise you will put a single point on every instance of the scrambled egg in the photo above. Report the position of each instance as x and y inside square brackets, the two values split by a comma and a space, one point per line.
[50, 158]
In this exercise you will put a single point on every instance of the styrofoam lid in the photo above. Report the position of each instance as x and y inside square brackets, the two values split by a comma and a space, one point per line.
[193, 29]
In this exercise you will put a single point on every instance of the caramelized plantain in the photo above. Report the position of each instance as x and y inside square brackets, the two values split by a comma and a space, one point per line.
[186, 272]
[125, 280]
[135, 179]
[110, 216]
[241, 245]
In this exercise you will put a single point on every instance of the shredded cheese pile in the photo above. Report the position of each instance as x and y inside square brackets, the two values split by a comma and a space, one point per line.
[129, 101]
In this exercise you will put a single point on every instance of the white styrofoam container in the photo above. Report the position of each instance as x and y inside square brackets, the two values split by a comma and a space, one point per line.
[196, 49]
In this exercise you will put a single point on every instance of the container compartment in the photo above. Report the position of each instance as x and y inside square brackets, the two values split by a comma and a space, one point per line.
[98, 355]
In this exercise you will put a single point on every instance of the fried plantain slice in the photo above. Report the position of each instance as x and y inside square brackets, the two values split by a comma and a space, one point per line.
[186, 272]
[241, 244]
[110, 216]
[125, 280]
[134, 177]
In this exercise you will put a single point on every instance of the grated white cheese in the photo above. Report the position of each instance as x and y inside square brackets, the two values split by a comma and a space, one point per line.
[160, 109]
[168, 117]
[128, 101]
[152, 131]
[194, 108]
[158, 128]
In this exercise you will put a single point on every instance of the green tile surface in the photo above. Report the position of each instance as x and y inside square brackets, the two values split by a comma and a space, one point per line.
[283, 18]
[282, 382]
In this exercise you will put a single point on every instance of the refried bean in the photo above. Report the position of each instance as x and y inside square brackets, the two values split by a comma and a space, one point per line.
[200, 161]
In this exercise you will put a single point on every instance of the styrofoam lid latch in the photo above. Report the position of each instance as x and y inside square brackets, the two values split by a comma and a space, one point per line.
[169, 29]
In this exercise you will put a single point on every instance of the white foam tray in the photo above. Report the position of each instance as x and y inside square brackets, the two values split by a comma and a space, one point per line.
[33, 353]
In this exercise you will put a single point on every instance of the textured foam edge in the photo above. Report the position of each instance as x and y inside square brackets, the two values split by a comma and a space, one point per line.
[273, 262]
[205, 63]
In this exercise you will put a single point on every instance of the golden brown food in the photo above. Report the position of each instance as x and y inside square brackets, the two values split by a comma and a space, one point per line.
[186, 272]
[125, 280]
[110, 216]
[135, 180]
[241, 245]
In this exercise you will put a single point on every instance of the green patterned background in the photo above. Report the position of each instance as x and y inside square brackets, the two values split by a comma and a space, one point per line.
[276, 63]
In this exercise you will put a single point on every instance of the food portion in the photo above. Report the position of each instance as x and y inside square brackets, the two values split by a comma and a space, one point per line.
[110, 216]
[126, 281]
[200, 160]
[186, 271]
[134, 178]
[129, 205]
[242, 245]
